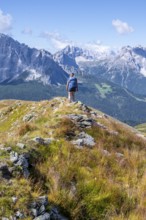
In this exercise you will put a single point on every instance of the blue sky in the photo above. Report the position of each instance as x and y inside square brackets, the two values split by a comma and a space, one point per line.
[52, 24]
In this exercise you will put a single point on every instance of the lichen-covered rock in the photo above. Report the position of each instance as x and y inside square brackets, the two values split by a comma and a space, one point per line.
[43, 141]
[38, 208]
[84, 139]
[28, 117]
[13, 156]
[20, 145]
[45, 216]
[14, 199]
[19, 215]
[22, 161]
[81, 121]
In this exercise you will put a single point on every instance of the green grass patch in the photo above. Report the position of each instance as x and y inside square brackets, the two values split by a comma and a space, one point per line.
[104, 89]
[141, 128]
[12, 116]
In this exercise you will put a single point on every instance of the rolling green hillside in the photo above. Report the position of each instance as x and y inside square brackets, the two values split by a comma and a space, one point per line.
[61, 160]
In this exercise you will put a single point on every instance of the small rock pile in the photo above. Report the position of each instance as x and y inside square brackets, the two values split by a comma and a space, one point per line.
[83, 139]
[39, 210]
[43, 141]
[29, 117]
[22, 161]
[82, 121]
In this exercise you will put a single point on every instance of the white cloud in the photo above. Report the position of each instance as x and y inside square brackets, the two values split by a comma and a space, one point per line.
[58, 42]
[97, 47]
[56, 39]
[27, 31]
[122, 27]
[5, 22]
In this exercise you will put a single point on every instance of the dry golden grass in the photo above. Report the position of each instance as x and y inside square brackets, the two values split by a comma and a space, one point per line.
[26, 127]
[65, 128]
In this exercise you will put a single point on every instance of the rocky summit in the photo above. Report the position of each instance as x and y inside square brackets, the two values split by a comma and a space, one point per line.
[61, 161]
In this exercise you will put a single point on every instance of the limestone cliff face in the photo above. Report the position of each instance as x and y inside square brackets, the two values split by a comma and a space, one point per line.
[61, 160]
[19, 63]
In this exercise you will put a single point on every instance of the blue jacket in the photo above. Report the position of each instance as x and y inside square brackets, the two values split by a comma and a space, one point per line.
[72, 82]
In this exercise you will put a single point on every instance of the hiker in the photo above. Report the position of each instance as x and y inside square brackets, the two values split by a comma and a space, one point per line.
[72, 87]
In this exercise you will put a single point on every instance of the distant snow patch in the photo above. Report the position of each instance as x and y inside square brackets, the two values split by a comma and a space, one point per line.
[82, 59]
[143, 71]
[19, 62]
[45, 80]
[34, 75]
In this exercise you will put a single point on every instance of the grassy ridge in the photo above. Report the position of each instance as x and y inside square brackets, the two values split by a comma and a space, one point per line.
[105, 182]
[98, 93]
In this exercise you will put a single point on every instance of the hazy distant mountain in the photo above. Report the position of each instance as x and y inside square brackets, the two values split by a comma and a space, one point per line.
[126, 67]
[20, 63]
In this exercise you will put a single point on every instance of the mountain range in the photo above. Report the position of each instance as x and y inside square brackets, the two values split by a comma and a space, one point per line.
[112, 81]
[125, 67]
[20, 63]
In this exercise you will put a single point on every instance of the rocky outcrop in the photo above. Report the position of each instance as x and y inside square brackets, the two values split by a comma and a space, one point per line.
[20, 160]
[82, 121]
[38, 208]
[43, 141]
[84, 139]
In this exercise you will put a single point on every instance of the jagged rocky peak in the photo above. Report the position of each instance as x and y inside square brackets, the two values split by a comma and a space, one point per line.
[73, 51]
[125, 67]
[20, 62]
[7, 44]
[133, 51]
[66, 58]
[45, 53]
[125, 54]
[125, 50]
[83, 54]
